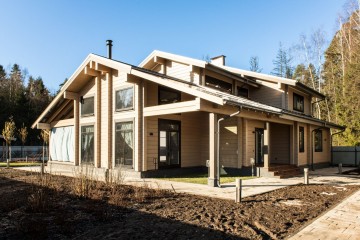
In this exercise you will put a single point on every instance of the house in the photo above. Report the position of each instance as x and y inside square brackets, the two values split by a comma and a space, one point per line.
[165, 113]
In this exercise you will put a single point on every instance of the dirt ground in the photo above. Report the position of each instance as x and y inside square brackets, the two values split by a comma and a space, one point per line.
[57, 207]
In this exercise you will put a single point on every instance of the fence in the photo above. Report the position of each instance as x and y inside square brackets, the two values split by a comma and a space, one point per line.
[346, 155]
[17, 152]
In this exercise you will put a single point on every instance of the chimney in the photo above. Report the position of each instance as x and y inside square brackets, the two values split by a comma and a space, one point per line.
[109, 46]
[219, 60]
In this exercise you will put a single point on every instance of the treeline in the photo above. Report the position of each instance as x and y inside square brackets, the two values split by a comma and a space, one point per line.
[23, 102]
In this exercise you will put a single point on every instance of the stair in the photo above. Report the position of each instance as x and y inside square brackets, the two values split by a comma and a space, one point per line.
[280, 171]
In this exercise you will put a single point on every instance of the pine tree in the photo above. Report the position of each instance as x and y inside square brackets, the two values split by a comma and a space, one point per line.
[282, 63]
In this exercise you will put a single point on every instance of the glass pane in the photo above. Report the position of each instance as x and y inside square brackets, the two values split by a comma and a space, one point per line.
[87, 107]
[124, 98]
[174, 147]
[124, 144]
[167, 96]
[87, 144]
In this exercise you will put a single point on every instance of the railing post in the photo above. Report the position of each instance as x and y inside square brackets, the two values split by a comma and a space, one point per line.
[238, 190]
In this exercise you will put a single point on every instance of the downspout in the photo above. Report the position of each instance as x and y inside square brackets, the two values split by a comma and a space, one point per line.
[218, 143]
[331, 146]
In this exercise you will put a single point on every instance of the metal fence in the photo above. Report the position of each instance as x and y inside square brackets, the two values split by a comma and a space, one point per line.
[19, 153]
[346, 155]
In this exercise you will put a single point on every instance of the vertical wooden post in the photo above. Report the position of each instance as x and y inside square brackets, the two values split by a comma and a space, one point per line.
[98, 121]
[213, 178]
[266, 145]
[77, 131]
[238, 190]
[306, 176]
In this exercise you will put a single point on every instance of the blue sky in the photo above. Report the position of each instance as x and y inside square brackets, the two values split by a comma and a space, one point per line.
[52, 38]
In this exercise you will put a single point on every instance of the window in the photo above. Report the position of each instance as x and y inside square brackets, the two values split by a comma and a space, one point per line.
[124, 144]
[87, 144]
[298, 103]
[87, 106]
[125, 99]
[218, 84]
[167, 95]
[243, 92]
[318, 141]
[301, 139]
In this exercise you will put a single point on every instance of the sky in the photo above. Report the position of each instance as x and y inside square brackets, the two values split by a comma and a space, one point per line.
[52, 38]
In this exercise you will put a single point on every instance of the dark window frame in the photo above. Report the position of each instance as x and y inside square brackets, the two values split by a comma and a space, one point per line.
[218, 84]
[119, 163]
[318, 141]
[83, 102]
[132, 101]
[301, 139]
[92, 145]
[166, 89]
[296, 98]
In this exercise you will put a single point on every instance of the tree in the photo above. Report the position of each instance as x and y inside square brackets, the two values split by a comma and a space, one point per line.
[44, 135]
[23, 135]
[9, 134]
[254, 64]
[282, 63]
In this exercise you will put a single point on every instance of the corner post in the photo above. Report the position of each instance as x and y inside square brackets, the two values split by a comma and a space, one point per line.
[266, 145]
[213, 178]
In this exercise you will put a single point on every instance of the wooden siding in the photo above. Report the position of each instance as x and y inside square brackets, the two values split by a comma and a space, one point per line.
[279, 143]
[268, 95]
[249, 139]
[178, 70]
[229, 143]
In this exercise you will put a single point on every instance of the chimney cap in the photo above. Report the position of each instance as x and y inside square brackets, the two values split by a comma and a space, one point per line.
[109, 42]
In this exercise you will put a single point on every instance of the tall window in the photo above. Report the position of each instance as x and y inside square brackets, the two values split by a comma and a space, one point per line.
[301, 139]
[87, 106]
[298, 103]
[243, 92]
[124, 144]
[167, 95]
[318, 141]
[125, 99]
[218, 84]
[87, 144]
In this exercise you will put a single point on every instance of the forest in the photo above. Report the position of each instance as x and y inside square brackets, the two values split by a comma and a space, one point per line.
[330, 66]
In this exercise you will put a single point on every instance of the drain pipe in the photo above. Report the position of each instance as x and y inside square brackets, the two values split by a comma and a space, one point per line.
[331, 146]
[218, 143]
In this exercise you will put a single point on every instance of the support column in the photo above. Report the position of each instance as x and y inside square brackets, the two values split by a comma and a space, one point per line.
[98, 122]
[77, 130]
[266, 145]
[295, 145]
[213, 178]
[110, 117]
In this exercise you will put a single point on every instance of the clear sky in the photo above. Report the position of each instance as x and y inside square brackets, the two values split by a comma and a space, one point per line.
[52, 38]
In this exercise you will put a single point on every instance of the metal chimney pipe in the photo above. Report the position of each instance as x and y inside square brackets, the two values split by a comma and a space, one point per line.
[109, 45]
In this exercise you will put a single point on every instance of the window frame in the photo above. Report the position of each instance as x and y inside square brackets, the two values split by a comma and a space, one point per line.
[318, 140]
[133, 99]
[297, 96]
[82, 104]
[124, 121]
[228, 89]
[92, 163]
[162, 88]
[301, 139]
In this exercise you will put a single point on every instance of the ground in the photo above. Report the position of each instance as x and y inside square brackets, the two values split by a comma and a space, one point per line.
[58, 207]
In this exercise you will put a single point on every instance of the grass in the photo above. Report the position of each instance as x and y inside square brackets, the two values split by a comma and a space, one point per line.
[202, 178]
[19, 164]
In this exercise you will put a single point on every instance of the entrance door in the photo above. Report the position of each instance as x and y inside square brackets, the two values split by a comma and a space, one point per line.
[169, 143]
[259, 145]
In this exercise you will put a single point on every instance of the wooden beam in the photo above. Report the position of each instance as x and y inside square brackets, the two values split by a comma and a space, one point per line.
[60, 109]
[71, 95]
[173, 108]
[91, 72]
[102, 68]
[159, 60]
[45, 126]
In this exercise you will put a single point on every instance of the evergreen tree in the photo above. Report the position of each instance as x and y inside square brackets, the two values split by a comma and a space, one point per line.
[282, 63]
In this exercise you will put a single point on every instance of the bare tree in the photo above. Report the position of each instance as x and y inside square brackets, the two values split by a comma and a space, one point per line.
[9, 134]
[254, 64]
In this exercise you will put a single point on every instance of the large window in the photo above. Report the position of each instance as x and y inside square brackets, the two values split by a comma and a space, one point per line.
[301, 139]
[87, 144]
[124, 143]
[318, 141]
[243, 92]
[87, 106]
[125, 99]
[298, 103]
[167, 95]
[218, 84]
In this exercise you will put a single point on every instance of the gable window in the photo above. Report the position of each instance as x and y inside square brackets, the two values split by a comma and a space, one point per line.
[124, 144]
[318, 141]
[298, 103]
[124, 99]
[218, 84]
[243, 92]
[87, 144]
[167, 95]
[301, 139]
[87, 106]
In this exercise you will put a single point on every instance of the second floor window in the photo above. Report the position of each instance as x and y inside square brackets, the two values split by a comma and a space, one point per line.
[124, 99]
[87, 106]
[298, 103]
[218, 84]
[167, 95]
[243, 92]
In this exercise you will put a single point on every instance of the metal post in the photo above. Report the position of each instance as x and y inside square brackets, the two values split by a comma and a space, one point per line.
[238, 190]
[42, 168]
[340, 168]
[252, 161]
[306, 176]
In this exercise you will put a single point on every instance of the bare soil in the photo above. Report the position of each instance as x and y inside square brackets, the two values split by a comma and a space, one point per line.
[58, 207]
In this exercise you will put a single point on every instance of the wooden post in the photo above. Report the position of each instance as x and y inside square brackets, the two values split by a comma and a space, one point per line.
[77, 131]
[238, 190]
[266, 145]
[306, 176]
[213, 178]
